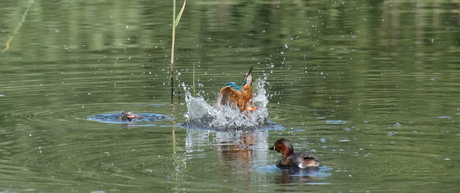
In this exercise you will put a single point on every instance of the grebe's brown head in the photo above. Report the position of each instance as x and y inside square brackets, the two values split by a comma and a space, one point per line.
[283, 146]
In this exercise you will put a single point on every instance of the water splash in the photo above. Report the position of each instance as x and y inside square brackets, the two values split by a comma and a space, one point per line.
[201, 115]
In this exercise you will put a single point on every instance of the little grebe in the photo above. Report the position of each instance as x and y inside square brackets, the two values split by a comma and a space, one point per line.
[128, 116]
[291, 159]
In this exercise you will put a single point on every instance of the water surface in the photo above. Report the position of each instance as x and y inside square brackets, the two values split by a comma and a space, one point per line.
[370, 87]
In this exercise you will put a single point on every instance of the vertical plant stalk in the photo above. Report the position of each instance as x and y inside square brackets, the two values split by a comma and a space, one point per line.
[10, 39]
[193, 79]
[171, 71]
[175, 23]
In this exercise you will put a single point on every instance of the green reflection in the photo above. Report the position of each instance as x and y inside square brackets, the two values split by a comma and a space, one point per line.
[366, 65]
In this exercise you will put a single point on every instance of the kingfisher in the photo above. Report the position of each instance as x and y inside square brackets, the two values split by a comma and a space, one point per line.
[237, 97]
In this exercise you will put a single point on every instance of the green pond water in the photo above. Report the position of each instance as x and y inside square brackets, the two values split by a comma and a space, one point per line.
[370, 87]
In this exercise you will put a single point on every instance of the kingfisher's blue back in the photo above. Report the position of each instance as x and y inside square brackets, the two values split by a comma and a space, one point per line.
[238, 97]
[233, 86]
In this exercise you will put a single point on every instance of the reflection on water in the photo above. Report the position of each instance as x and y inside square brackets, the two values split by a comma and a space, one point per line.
[239, 150]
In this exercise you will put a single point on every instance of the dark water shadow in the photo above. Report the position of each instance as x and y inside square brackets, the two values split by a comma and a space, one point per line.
[309, 175]
[145, 119]
[294, 177]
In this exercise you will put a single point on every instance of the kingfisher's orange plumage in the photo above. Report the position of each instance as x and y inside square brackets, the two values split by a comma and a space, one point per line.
[237, 97]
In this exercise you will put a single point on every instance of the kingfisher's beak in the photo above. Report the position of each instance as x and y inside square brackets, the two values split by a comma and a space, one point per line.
[248, 77]
[250, 70]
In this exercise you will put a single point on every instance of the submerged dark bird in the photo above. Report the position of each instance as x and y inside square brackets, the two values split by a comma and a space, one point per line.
[290, 159]
[128, 116]
[237, 97]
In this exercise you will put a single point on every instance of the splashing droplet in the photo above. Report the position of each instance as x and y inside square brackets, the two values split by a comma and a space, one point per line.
[202, 115]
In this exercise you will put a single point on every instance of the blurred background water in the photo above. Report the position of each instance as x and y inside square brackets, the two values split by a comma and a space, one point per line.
[370, 87]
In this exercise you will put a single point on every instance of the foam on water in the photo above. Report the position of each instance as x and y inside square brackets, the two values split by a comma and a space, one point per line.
[202, 115]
